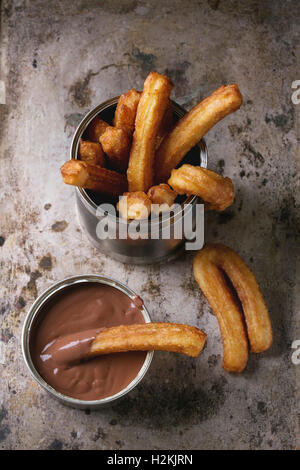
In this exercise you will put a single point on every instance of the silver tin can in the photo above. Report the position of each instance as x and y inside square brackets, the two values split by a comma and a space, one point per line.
[33, 316]
[144, 250]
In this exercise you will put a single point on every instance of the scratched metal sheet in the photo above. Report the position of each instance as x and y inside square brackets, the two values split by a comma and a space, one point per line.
[58, 62]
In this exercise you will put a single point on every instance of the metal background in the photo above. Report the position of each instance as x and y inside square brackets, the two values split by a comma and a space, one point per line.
[60, 59]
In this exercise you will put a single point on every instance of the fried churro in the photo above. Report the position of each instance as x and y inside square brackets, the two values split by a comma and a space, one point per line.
[135, 205]
[95, 129]
[91, 152]
[151, 108]
[126, 110]
[211, 187]
[162, 196]
[116, 144]
[171, 337]
[84, 175]
[192, 127]
[209, 265]
[165, 125]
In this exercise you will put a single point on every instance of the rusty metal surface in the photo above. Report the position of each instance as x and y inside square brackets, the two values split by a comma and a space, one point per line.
[56, 63]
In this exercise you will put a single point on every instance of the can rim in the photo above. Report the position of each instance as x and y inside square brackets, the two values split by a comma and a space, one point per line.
[32, 314]
[92, 206]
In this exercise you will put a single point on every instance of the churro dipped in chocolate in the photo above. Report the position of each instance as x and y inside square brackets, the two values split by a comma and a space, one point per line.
[171, 337]
[70, 322]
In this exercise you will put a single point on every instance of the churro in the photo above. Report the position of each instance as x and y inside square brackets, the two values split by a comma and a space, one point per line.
[165, 125]
[162, 196]
[91, 152]
[210, 186]
[151, 108]
[116, 144]
[135, 205]
[95, 129]
[171, 337]
[126, 110]
[209, 265]
[78, 173]
[192, 127]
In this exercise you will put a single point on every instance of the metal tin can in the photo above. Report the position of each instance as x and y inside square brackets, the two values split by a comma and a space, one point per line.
[33, 316]
[142, 250]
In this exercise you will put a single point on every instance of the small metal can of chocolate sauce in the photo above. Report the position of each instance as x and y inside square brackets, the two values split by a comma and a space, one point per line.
[151, 246]
[36, 314]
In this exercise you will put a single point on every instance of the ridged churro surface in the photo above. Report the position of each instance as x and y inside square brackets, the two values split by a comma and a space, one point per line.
[209, 185]
[95, 129]
[91, 152]
[151, 108]
[116, 144]
[192, 127]
[172, 337]
[135, 205]
[126, 110]
[162, 196]
[209, 265]
[165, 125]
[78, 173]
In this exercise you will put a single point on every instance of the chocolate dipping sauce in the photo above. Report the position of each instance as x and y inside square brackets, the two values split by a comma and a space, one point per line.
[67, 327]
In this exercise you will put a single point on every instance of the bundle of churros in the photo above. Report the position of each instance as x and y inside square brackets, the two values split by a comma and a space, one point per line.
[137, 157]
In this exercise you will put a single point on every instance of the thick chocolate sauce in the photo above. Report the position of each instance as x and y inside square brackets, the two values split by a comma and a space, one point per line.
[62, 337]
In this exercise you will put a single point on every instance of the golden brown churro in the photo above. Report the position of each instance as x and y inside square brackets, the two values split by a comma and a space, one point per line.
[151, 108]
[91, 152]
[165, 125]
[116, 144]
[135, 205]
[163, 196]
[171, 337]
[209, 265]
[192, 127]
[95, 129]
[93, 177]
[126, 110]
[211, 187]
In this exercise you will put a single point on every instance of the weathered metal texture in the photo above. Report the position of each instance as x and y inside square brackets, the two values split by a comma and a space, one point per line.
[57, 62]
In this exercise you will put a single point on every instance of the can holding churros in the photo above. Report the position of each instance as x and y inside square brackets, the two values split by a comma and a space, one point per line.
[151, 245]
[83, 304]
